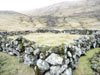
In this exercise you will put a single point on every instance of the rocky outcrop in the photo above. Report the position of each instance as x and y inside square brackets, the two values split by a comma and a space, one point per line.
[58, 60]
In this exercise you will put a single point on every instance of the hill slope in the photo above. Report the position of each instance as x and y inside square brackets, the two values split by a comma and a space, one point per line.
[13, 21]
[68, 9]
[68, 15]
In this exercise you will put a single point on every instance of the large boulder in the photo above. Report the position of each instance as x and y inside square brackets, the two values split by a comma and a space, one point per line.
[29, 50]
[47, 73]
[68, 72]
[42, 65]
[54, 70]
[54, 59]
[62, 69]
[29, 60]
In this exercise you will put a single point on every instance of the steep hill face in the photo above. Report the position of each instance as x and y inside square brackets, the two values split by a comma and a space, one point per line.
[67, 8]
[13, 21]
[82, 14]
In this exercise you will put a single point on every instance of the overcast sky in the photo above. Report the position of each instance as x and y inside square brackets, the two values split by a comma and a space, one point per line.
[21, 5]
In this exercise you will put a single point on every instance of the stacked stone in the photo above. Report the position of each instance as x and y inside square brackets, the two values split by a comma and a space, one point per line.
[76, 31]
[16, 33]
[2, 42]
[31, 55]
[58, 60]
[97, 38]
[95, 63]
[84, 44]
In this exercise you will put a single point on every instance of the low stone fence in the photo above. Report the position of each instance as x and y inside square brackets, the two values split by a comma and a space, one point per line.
[76, 31]
[95, 63]
[86, 32]
[12, 33]
[57, 60]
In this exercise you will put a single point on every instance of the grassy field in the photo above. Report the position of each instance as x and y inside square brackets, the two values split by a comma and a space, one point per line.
[50, 39]
[10, 66]
[19, 22]
[15, 22]
[84, 65]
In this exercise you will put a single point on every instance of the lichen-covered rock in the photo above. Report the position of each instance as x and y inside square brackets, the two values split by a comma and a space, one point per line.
[42, 56]
[36, 52]
[62, 69]
[42, 65]
[54, 70]
[29, 50]
[11, 53]
[67, 72]
[47, 73]
[95, 63]
[54, 59]
[29, 59]
[66, 61]
[69, 54]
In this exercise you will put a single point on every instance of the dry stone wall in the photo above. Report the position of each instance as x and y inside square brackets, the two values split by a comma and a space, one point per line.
[45, 60]
[12, 33]
[76, 31]
[86, 32]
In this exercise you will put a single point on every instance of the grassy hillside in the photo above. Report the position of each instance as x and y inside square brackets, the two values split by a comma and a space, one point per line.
[83, 14]
[67, 8]
[10, 66]
[84, 66]
[14, 21]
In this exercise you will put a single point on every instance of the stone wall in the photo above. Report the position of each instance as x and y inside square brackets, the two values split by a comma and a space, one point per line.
[16, 33]
[86, 32]
[45, 60]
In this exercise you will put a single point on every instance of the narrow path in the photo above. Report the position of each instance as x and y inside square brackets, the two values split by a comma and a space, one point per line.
[84, 65]
[10, 66]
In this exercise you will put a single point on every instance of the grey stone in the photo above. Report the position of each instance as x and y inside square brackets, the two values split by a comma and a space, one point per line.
[19, 47]
[25, 44]
[67, 72]
[78, 52]
[16, 42]
[69, 54]
[42, 65]
[47, 73]
[94, 45]
[42, 56]
[62, 69]
[54, 59]
[67, 61]
[29, 59]
[20, 59]
[15, 52]
[54, 70]
[36, 52]
[11, 53]
[29, 50]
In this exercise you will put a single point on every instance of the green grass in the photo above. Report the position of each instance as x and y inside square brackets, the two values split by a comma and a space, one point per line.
[10, 66]
[50, 39]
[84, 67]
